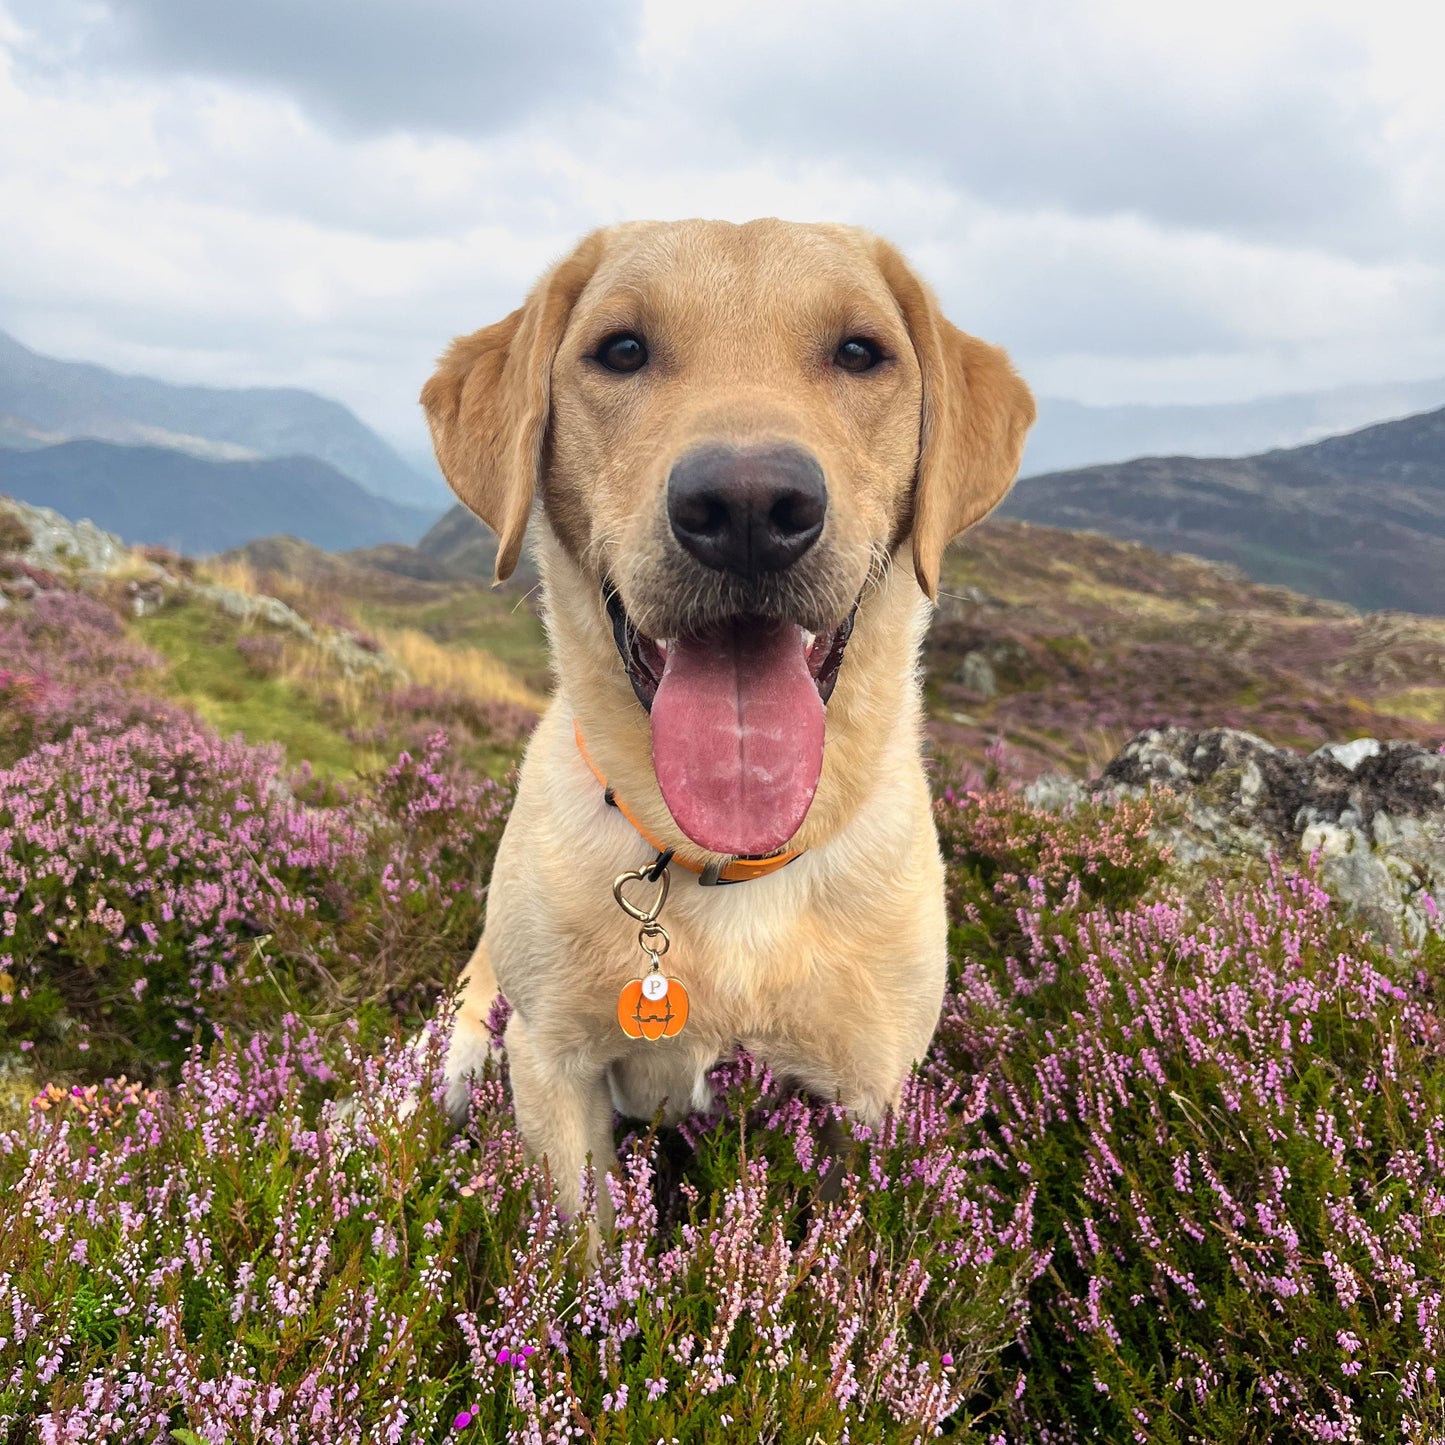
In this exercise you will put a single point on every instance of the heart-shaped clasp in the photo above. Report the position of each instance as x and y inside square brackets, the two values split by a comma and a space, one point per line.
[641, 875]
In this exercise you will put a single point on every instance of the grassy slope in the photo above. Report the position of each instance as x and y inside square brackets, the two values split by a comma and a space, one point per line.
[205, 671]
[1090, 639]
[466, 656]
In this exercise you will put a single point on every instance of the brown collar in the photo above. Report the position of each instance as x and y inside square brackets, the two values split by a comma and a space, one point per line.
[729, 870]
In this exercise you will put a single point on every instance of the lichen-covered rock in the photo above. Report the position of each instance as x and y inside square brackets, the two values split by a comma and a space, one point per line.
[56, 542]
[256, 607]
[45, 539]
[1371, 813]
[977, 675]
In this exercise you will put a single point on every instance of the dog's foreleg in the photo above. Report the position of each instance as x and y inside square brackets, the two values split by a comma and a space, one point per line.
[471, 1041]
[564, 1112]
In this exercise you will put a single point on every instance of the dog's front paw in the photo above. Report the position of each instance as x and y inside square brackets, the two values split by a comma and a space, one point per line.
[458, 1097]
[470, 1048]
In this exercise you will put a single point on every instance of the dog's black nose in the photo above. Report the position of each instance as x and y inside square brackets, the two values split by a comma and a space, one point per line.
[747, 512]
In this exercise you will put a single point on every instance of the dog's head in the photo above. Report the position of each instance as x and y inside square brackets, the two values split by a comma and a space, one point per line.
[732, 430]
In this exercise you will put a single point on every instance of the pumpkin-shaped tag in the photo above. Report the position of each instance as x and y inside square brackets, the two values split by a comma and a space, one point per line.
[653, 1008]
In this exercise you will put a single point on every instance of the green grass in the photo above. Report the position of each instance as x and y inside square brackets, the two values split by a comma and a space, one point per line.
[473, 616]
[204, 671]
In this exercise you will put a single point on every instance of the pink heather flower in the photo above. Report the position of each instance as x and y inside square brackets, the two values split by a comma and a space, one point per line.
[463, 1419]
[947, 1362]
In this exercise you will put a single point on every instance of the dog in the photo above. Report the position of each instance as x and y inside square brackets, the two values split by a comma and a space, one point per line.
[751, 445]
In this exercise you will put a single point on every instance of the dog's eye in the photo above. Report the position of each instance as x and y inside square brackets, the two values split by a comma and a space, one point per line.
[857, 353]
[624, 352]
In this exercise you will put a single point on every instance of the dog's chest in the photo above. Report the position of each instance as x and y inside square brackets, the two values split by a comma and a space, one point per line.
[740, 951]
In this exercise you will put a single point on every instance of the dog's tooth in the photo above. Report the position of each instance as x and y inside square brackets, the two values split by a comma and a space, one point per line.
[809, 638]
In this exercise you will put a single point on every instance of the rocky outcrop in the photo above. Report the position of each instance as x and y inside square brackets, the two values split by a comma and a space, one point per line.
[350, 656]
[57, 544]
[47, 540]
[1371, 814]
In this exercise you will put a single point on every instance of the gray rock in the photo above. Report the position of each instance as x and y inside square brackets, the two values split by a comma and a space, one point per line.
[1056, 793]
[1371, 814]
[1350, 755]
[58, 543]
[353, 659]
[248, 607]
[976, 673]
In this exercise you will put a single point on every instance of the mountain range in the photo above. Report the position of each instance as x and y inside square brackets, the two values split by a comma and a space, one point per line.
[1359, 518]
[44, 401]
[197, 506]
[1070, 434]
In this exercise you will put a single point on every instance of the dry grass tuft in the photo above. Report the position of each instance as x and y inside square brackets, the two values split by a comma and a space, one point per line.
[1425, 704]
[467, 671]
[234, 573]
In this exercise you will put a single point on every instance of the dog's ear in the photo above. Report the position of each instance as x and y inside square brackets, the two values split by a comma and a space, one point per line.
[976, 413]
[488, 403]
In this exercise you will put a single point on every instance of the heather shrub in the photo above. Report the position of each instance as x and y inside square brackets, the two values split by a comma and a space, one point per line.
[23, 703]
[67, 661]
[137, 870]
[504, 723]
[239, 1257]
[432, 835]
[1236, 1125]
[261, 652]
[1006, 859]
[161, 881]
[1163, 1177]
[1173, 1170]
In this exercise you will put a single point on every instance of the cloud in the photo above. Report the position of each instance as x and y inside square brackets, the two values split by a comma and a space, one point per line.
[467, 67]
[1140, 204]
[1181, 116]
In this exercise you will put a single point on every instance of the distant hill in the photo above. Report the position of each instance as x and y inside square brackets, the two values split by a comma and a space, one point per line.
[463, 544]
[1070, 434]
[457, 548]
[155, 494]
[1359, 518]
[44, 401]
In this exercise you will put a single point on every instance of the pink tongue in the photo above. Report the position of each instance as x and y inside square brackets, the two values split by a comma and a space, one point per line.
[737, 737]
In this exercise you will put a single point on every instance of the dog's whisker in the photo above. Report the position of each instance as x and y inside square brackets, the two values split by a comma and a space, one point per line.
[535, 587]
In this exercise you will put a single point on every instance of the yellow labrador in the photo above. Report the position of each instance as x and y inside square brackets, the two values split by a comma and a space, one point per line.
[735, 433]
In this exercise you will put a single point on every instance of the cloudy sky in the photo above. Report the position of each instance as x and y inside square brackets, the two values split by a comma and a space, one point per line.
[1143, 201]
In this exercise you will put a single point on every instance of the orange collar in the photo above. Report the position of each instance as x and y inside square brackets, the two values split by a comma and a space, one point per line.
[734, 870]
